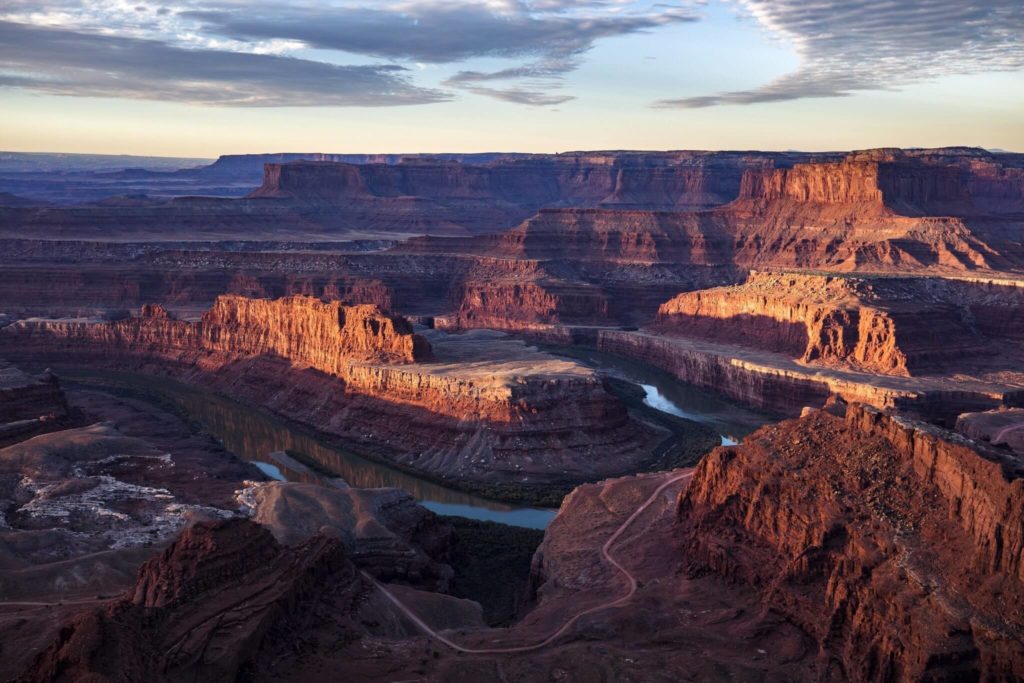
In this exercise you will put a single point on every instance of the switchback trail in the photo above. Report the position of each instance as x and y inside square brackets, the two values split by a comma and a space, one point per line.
[630, 580]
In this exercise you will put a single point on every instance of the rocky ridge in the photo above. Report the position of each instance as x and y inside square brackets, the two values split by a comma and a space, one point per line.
[223, 601]
[895, 545]
[896, 326]
[484, 407]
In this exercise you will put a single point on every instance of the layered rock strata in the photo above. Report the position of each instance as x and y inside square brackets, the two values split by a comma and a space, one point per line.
[877, 210]
[485, 408]
[28, 397]
[895, 326]
[881, 210]
[223, 602]
[666, 179]
[895, 545]
[775, 382]
[1003, 427]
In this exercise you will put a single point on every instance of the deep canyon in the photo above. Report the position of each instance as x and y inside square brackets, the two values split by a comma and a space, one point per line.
[592, 416]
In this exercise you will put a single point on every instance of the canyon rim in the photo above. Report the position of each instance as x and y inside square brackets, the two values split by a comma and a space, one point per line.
[655, 394]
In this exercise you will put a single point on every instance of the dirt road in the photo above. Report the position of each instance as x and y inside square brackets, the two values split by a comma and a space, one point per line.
[605, 553]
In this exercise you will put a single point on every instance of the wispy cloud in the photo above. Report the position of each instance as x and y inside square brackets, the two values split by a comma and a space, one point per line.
[66, 62]
[847, 46]
[551, 35]
[547, 38]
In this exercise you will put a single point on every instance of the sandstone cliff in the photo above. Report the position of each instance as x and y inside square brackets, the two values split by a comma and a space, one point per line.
[908, 186]
[879, 210]
[777, 383]
[485, 408]
[896, 546]
[324, 336]
[876, 210]
[897, 326]
[676, 180]
[1002, 427]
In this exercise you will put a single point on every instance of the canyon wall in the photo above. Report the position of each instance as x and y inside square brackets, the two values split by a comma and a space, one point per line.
[615, 236]
[747, 383]
[483, 407]
[27, 397]
[881, 210]
[895, 545]
[896, 326]
[906, 185]
[776, 383]
[325, 336]
[957, 208]
[677, 180]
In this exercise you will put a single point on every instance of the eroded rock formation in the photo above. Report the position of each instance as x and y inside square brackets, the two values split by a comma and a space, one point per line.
[897, 326]
[27, 397]
[484, 408]
[895, 545]
[223, 601]
[304, 330]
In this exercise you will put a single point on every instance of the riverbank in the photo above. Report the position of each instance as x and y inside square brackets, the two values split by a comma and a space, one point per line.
[180, 399]
[668, 394]
[685, 439]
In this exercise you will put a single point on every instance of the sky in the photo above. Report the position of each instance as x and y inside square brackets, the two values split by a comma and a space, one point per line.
[208, 77]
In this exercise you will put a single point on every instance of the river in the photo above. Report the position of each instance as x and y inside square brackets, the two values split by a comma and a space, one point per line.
[665, 393]
[253, 434]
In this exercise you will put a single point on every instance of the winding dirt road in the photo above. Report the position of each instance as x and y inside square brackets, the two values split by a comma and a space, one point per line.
[630, 580]
[1001, 434]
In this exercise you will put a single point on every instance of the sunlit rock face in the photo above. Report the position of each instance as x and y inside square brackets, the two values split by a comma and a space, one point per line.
[478, 406]
[897, 546]
[893, 326]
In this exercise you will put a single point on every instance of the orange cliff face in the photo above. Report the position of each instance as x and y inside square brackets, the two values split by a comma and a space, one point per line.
[893, 326]
[898, 547]
[307, 330]
[900, 185]
[300, 329]
[473, 406]
[876, 211]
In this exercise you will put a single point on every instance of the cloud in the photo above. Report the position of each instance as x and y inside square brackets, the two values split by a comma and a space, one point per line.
[519, 95]
[547, 37]
[439, 32]
[846, 46]
[551, 34]
[66, 62]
